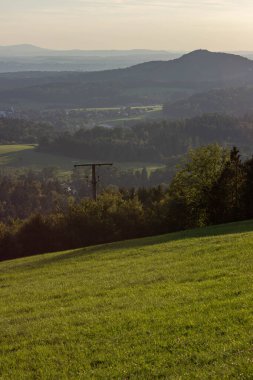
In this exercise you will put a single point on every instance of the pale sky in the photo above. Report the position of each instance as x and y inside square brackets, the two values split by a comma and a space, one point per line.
[128, 24]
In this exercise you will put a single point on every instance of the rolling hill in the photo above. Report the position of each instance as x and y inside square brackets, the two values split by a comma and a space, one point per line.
[200, 66]
[178, 306]
[147, 83]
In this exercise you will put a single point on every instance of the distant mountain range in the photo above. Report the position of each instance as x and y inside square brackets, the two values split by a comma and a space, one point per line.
[27, 50]
[33, 58]
[147, 83]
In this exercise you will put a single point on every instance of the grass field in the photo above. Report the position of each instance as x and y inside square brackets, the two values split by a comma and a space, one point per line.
[8, 149]
[26, 156]
[178, 306]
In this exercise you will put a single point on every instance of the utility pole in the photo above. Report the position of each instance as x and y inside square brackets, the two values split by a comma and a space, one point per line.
[94, 180]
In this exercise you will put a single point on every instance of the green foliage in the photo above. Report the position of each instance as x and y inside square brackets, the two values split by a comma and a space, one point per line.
[211, 187]
[194, 181]
[109, 219]
[227, 200]
[172, 307]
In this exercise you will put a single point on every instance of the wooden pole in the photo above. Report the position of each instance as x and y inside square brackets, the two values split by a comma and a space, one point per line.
[94, 178]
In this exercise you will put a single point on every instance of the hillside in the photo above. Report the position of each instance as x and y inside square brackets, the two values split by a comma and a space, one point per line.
[176, 306]
[147, 83]
[198, 66]
[230, 101]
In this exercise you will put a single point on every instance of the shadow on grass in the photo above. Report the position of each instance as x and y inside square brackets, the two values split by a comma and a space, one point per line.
[205, 232]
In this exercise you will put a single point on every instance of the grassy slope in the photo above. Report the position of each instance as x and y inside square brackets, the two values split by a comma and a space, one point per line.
[172, 307]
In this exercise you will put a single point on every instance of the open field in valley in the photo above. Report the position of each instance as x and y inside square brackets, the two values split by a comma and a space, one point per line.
[26, 156]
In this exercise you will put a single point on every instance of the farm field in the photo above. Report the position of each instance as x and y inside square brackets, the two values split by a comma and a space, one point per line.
[150, 108]
[177, 306]
[26, 156]
[122, 116]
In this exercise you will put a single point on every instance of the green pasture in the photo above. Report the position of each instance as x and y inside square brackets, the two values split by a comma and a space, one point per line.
[27, 156]
[178, 306]
[7, 149]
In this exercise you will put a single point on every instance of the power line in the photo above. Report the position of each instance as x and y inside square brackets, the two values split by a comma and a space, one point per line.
[94, 180]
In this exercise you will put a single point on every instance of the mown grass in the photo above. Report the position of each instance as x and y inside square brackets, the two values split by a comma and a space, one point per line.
[13, 148]
[178, 306]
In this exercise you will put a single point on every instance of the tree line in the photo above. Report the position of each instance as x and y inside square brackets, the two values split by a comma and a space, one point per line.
[26, 192]
[231, 101]
[154, 141]
[213, 185]
[21, 131]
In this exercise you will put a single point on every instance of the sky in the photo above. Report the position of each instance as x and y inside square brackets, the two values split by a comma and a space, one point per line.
[176, 25]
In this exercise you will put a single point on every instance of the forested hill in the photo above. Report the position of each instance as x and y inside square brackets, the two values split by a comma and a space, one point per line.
[197, 66]
[145, 83]
[230, 101]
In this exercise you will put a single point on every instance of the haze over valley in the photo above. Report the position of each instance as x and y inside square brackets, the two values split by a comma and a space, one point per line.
[126, 182]
[27, 57]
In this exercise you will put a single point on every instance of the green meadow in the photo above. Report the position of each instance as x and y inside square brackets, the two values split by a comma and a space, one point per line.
[27, 156]
[177, 306]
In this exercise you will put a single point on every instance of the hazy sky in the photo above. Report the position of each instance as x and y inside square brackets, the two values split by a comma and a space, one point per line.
[127, 24]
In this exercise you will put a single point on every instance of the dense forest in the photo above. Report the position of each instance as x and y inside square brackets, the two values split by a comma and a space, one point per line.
[23, 131]
[212, 186]
[25, 192]
[151, 141]
[230, 101]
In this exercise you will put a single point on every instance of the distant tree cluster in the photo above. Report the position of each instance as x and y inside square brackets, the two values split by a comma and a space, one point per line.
[151, 141]
[229, 101]
[23, 131]
[213, 186]
[23, 194]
